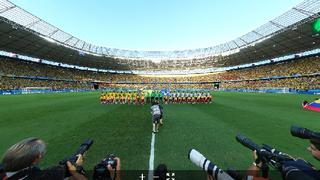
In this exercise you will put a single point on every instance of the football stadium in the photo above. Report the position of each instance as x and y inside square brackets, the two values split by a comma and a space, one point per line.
[195, 112]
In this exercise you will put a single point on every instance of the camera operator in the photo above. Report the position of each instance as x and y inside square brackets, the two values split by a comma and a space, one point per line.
[108, 169]
[314, 148]
[21, 162]
[253, 171]
[115, 172]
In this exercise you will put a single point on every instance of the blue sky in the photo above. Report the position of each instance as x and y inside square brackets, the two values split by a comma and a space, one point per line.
[157, 24]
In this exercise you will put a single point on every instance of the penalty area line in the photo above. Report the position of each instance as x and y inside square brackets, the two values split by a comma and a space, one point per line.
[151, 160]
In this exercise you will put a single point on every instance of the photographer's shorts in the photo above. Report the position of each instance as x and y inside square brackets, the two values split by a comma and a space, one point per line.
[156, 118]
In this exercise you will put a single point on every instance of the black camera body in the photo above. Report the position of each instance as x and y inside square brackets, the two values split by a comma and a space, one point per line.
[101, 171]
[110, 160]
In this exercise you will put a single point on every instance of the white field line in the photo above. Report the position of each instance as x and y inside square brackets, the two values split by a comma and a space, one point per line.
[151, 160]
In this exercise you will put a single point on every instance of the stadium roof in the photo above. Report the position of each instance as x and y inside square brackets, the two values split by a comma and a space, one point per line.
[290, 33]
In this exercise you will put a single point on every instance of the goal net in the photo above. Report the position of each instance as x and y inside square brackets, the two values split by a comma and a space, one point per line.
[31, 90]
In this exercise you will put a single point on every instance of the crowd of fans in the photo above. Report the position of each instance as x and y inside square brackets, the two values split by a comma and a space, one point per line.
[9, 83]
[302, 83]
[305, 66]
[13, 75]
[158, 86]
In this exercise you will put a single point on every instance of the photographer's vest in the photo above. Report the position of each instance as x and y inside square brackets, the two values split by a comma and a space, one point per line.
[25, 173]
[299, 169]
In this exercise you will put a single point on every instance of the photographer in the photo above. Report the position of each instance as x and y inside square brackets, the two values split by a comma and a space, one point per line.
[115, 172]
[253, 171]
[312, 136]
[156, 115]
[108, 169]
[21, 162]
[291, 168]
[314, 148]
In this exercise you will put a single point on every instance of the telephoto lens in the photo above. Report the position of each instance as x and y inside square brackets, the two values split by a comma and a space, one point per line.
[299, 132]
[198, 159]
[304, 133]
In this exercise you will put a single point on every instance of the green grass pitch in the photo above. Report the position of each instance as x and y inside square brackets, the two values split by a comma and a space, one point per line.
[64, 121]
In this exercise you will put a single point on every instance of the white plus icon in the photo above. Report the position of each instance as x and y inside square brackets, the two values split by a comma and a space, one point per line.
[142, 176]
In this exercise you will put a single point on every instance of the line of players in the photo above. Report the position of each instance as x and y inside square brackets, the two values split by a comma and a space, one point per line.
[187, 97]
[137, 98]
[114, 97]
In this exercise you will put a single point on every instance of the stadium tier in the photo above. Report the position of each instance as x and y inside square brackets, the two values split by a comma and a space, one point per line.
[299, 74]
[290, 34]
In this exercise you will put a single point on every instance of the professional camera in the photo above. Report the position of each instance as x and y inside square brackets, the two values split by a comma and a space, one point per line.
[265, 153]
[304, 133]
[73, 158]
[198, 159]
[101, 169]
[291, 168]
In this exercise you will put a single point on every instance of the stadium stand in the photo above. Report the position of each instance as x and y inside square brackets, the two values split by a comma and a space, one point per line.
[299, 74]
[301, 83]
